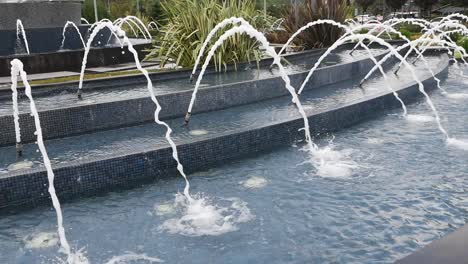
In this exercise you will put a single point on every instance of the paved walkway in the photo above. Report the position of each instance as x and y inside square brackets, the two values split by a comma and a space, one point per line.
[150, 65]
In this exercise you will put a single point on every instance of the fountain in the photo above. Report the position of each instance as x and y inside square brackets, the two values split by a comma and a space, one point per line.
[236, 116]
[36, 30]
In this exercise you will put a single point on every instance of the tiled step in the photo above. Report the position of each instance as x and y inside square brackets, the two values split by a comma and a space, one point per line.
[122, 157]
[64, 114]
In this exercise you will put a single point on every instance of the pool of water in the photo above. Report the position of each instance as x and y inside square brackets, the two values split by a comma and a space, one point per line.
[126, 140]
[408, 188]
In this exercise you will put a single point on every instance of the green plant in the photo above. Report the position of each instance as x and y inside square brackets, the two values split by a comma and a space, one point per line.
[411, 27]
[405, 32]
[87, 10]
[190, 21]
[320, 35]
[463, 42]
[364, 31]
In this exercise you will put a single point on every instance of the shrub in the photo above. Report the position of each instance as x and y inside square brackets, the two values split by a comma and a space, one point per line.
[463, 42]
[320, 35]
[87, 10]
[405, 32]
[190, 21]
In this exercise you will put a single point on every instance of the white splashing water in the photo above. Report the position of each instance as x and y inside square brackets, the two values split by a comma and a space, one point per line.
[194, 207]
[219, 26]
[85, 20]
[153, 25]
[201, 217]
[97, 28]
[41, 240]
[20, 165]
[14, 98]
[420, 118]
[458, 143]
[348, 31]
[164, 208]
[132, 257]
[17, 69]
[198, 132]
[309, 25]
[77, 30]
[264, 45]
[129, 20]
[395, 53]
[20, 32]
[457, 96]
[331, 163]
[254, 182]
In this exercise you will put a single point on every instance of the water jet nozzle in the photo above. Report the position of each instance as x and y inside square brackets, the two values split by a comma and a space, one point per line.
[191, 78]
[79, 94]
[19, 150]
[361, 82]
[187, 118]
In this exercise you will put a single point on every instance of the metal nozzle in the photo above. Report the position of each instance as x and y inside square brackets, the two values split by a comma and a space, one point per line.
[361, 82]
[187, 118]
[79, 94]
[191, 78]
[19, 150]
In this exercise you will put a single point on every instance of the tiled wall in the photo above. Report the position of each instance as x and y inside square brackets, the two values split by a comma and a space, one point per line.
[87, 118]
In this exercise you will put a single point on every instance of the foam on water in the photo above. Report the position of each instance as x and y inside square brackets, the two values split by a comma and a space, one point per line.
[164, 208]
[458, 143]
[133, 258]
[198, 132]
[201, 217]
[41, 240]
[20, 165]
[331, 163]
[420, 118]
[375, 141]
[457, 96]
[254, 182]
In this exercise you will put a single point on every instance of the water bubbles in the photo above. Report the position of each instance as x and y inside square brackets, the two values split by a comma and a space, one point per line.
[458, 143]
[457, 96]
[20, 165]
[198, 132]
[41, 240]
[133, 258]
[375, 141]
[330, 163]
[420, 118]
[164, 209]
[200, 216]
[254, 182]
